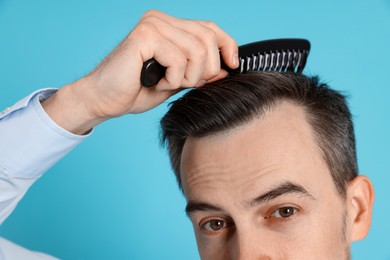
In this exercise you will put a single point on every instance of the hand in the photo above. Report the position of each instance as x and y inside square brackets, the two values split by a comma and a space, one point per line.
[189, 50]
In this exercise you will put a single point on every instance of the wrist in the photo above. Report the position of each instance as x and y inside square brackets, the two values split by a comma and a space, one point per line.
[71, 109]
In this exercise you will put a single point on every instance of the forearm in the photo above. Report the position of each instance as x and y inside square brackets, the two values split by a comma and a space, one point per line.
[30, 143]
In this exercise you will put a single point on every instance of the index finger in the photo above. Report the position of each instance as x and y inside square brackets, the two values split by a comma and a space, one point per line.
[226, 44]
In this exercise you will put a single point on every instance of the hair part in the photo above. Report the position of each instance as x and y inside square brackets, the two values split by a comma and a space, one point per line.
[237, 100]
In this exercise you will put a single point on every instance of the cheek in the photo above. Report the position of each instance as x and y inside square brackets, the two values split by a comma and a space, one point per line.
[211, 248]
[321, 235]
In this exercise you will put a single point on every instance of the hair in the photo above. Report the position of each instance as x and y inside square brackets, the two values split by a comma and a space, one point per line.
[239, 99]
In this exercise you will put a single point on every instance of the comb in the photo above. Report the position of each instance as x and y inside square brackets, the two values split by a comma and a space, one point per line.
[279, 55]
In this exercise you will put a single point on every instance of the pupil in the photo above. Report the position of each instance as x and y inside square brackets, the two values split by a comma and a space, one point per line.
[216, 224]
[286, 212]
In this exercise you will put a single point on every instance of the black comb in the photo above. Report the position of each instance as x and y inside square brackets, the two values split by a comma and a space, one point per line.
[280, 55]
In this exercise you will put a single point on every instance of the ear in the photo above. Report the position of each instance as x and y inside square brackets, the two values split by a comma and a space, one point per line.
[361, 200]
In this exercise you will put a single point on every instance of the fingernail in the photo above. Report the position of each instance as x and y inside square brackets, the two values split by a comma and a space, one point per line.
[200, 83]
[235, 59]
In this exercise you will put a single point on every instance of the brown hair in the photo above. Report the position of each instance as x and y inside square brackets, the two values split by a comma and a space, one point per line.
[237, 100]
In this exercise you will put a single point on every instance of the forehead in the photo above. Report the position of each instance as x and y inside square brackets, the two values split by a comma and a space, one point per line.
[277, 147]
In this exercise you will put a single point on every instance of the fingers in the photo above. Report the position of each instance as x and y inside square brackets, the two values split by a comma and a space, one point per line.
[208, 39]
[198, 42]
[150, 43]
[225, 43]
[204, 36]
[193, 51]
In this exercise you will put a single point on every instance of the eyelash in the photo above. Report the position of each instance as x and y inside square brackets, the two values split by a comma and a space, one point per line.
[203, 225]
[270, 217]
[281, 218]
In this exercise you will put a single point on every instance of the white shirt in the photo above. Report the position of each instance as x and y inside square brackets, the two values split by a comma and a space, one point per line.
[30, 143]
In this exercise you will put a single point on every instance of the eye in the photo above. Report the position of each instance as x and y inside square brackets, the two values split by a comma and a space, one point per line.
[214, 225]
[284, 212]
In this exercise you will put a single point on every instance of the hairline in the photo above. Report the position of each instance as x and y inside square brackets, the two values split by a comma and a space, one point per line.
[262, 114]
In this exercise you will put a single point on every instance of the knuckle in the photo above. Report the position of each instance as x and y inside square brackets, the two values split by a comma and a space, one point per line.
[191, 81]
[213, 70]
[150, 13]
[199, 51]
[210, 24]
[143, 29]
[174, 83]
[177, 71]
[211, 35]
[181, 62]
[150, 19]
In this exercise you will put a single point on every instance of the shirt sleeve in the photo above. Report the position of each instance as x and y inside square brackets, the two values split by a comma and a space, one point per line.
[30, 143]
[11, 251]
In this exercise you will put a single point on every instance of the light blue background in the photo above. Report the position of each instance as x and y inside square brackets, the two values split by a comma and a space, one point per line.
[115, 196]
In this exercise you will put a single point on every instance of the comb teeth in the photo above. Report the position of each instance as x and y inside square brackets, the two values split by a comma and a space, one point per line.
[279, 61]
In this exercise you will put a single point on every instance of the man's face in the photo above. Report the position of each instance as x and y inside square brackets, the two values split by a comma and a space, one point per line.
[263, 191]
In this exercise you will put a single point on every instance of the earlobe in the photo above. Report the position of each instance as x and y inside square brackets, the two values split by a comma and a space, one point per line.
[361, 200]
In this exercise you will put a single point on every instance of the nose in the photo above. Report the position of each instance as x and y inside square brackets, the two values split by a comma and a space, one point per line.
[252, 246]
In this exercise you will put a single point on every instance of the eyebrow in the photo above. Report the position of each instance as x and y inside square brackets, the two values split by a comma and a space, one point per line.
[282, 189]
[193, 206]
